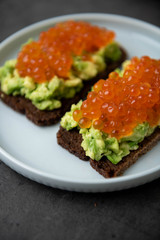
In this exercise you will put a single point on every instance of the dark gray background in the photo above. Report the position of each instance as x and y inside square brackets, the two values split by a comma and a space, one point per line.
[29, 210]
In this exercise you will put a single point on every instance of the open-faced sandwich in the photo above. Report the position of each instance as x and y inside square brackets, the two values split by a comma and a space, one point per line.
[58, 69]
[119, 121]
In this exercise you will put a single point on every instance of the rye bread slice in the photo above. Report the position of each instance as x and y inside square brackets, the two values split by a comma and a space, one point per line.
[45, 118]
[71, 140]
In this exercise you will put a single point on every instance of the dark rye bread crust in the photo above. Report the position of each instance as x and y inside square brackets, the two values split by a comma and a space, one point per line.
[71, 140]
[45, 118]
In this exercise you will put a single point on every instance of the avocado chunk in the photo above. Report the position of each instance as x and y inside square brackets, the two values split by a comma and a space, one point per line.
[113, 52]
[67, 120]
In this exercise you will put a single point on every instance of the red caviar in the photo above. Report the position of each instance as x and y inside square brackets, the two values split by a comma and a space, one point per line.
[119, 104]
[53, 53]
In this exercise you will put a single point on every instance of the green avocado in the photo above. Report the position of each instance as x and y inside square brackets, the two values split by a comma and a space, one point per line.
[48, 95]
[112, 52]
[45, 96]
[97, 144]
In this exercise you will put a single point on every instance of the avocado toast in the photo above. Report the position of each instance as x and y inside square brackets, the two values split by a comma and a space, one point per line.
[119, 121]
[58, 69]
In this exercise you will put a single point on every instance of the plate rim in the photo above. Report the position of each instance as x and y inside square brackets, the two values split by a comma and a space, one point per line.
[25, 169]
[78, 16]
[22, 165]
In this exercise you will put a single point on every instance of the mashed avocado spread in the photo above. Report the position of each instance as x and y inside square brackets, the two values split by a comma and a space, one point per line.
[48, 95]
[97, 144]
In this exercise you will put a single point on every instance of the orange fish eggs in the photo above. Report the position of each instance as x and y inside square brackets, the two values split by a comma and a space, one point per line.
[53, 53]
[119, 104]
[84, 122]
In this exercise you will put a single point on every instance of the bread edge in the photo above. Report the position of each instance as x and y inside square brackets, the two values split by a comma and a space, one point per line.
[71, 139]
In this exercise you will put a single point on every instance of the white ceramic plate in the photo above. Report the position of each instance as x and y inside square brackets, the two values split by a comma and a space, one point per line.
[33, 152]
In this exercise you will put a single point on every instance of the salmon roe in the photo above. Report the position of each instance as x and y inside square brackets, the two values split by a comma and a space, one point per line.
[117, 105]
[53, 53]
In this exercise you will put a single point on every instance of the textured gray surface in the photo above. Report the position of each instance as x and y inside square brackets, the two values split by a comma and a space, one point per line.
[32, 211]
